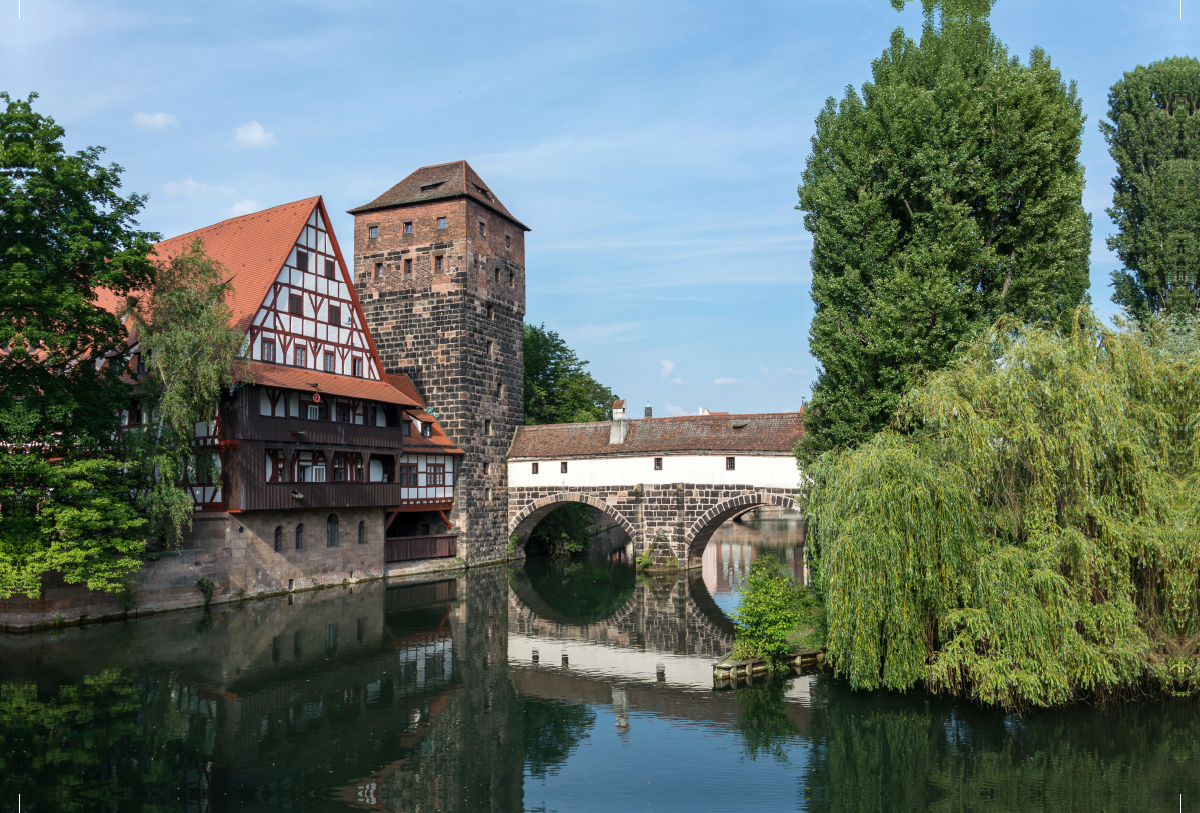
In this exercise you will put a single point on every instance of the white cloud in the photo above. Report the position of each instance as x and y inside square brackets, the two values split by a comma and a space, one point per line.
[672, 410]
[676, 380]
[252, 134]
[191, 188]
[668, 367]
[155, 121]
[244, 207]
[725, 381]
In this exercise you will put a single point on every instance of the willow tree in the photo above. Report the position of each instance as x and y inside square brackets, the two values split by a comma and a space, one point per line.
[1025, 532]
[1154, 137]
[946, 194]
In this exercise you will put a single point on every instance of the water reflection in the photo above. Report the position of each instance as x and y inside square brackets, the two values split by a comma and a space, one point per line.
[738, 542]
[505, 690]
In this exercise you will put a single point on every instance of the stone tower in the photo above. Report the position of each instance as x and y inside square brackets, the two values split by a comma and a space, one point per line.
[439, 265]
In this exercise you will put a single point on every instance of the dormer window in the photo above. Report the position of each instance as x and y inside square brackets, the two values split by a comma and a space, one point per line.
[426, 430]
[507, 241]
[302, 260]
[429, 187]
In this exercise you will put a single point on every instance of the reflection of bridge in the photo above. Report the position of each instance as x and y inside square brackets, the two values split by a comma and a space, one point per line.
[667, 483]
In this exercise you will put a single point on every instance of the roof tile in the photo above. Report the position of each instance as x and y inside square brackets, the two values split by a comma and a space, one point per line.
[439, 182]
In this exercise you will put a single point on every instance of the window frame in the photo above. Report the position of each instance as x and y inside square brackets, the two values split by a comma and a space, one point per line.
[731, 464]
[658, 464]
[330, 361]
[443, 223]
[373, 232]
[439, 264]
[356, 366]
[262, 350]
[331, 531]
[300, 356]
[408, 266]
[301, 259]
[299, 535]
[378, 270]
[295, 303]
[330, 269]
[408, 227]
[331, 311]
[535, 469]
[562, 468]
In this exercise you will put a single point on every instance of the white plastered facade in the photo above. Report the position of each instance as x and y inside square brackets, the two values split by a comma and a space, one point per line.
[766, 470]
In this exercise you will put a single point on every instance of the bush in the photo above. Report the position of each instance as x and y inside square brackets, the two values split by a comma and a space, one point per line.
[771, 606]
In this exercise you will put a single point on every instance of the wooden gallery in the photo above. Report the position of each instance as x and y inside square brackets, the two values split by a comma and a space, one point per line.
[325, 468]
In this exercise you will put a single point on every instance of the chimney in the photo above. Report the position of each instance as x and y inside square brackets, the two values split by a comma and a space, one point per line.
[649, 412]
[620, 424]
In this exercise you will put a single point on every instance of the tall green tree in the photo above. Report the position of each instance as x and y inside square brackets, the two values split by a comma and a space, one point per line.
[1153, 134]
[69, 243]
[557, 387]
[947, 193]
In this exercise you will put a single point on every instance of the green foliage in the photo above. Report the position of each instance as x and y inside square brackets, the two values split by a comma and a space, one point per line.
[65, 237]
[565, 532]
[550, 732]
[770, 606]
[585, 590]
[763, 723]
[557, 387]
[644, 559]
[947, 193]
[206, 588]
[1154, 137]
[1026, 531]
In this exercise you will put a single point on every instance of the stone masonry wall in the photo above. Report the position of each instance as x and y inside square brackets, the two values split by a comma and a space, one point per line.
[458, 334]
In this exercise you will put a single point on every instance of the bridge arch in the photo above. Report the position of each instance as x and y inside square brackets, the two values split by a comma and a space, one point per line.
[526, 519]
[706, 524]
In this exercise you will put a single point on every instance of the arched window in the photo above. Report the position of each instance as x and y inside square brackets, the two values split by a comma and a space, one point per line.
[300, 536]
[331, 531]
[278, 538]
[361, 532]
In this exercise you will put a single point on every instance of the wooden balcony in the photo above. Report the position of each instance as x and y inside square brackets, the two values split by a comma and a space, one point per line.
[319, 433]
[407, 548]
[260, 496]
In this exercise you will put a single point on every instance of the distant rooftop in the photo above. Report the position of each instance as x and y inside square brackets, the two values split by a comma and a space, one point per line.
[439, 182]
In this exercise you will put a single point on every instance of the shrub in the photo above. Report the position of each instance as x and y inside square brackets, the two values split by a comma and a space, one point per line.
[770, 606]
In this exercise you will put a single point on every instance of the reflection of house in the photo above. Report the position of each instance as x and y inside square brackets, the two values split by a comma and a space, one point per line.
[316, 447]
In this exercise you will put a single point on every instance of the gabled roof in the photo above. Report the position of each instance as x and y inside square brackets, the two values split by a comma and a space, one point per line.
[768, 432]
[439, 182]
[253, 247]
[439, 440]
[299, 378]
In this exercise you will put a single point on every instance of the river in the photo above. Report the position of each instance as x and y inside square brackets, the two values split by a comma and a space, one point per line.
[539, 687]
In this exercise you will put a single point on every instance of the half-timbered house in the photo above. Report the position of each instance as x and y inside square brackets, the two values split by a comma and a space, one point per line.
[317, 451]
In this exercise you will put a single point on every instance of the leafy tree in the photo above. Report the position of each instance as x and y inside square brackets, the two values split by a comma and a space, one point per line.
[1026, 533]
[1154, 137]
[189, 349]
[947, 193]
[770, 607]
[557, 387]
[66, 239]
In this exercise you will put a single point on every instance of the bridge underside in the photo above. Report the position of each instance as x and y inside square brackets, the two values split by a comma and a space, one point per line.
[680, 516]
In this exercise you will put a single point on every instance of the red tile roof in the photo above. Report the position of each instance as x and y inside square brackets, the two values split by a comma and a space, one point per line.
[768, 432]
[252, 247]
[439, 182]
[405, 385]
[446, 446]
[298, 378]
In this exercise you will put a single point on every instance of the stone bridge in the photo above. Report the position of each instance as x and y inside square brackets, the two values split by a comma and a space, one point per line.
[667, 483]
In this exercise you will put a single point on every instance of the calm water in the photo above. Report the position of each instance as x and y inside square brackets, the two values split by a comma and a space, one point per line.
[540, 688]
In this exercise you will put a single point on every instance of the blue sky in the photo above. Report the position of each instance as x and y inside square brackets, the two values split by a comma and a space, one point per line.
[653, 148]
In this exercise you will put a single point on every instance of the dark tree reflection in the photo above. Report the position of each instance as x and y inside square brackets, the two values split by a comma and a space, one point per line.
[552, 730]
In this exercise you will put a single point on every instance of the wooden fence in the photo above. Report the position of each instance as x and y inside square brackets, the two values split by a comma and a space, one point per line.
[406, 548]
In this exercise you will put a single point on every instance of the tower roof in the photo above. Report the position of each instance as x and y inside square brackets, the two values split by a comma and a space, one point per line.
[439, 182]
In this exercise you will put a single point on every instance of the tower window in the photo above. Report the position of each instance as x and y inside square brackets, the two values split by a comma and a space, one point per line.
[535, 471]
[729, 464]
[296, 304]
[482, 229]
[268, 350]
[373, 232]
[356, 366]
[491, 312]
[487, 426]
[437, 264]
[300, 356]
[302, 260]
[408, 227]
[497, 276]
[408, 266]
[507, 241]
[328, 362]
[378, 270]
[441, 222]
[563, 467]
[658, 464]
[330, 270]
[335, 314]
[512, 279]
[487, 468]
[489, 347]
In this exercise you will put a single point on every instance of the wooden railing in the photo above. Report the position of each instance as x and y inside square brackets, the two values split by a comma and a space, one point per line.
[407, 548]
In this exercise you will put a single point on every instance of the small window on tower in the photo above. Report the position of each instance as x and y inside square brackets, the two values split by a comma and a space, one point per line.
[328, 362]
[408, 227]
[487, 426]
[482, 229]
[437, 264]
[300, 357]
[487, 468]
[373, 232]
[408, 266]
[489, 347]
[296, 304]
[330, 270]
[535, 468]
[378, 270]
[491, 312]
[512, 279]
[497, 276]
[507, 241]
[356, 365]
[268, 351]
[441, 222]
[335, 314]
[302, 260]
[563, 467]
